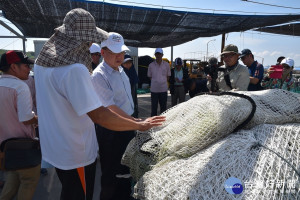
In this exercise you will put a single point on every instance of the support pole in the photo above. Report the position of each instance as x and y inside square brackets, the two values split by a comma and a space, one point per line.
[222, 45]
[171, 56]
[24, 47]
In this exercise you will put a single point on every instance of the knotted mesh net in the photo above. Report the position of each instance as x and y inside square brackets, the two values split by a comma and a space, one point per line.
[201, 145]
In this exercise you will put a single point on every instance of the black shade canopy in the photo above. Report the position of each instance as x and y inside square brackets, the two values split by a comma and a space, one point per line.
[141, 27]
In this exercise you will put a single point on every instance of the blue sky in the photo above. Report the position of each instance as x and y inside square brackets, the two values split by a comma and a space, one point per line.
[265, 47]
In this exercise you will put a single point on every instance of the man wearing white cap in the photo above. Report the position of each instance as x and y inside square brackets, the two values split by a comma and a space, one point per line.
[95, 51]
[159, 72]
[113, 88]
[67, 105]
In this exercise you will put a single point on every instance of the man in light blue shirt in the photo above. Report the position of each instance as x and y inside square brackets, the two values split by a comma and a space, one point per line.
[113, 88]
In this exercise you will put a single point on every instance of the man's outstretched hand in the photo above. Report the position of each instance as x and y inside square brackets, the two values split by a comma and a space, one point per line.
[151, 122]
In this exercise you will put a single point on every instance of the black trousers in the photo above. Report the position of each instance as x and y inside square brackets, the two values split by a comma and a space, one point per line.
[161, 98]
[135, 101]
[77, 184]
[112, 145]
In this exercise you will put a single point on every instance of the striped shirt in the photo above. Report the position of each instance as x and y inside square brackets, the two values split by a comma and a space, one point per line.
[159, 76]
[15, 108]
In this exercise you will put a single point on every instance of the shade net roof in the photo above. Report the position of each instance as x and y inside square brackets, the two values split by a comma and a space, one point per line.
[287, 29]
[141, 27]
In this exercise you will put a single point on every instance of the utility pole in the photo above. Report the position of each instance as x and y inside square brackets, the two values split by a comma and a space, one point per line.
[207, 48]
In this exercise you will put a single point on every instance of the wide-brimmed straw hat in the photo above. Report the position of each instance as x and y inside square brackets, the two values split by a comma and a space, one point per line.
[70, 42]
[80, 24]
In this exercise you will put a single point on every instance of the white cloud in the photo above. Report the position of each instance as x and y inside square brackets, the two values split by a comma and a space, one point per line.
[262, 54]
[297, 56]
[268, 53]
[275, 53]
[293, 55]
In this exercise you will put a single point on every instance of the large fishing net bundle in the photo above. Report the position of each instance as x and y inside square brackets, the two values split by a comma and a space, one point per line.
[183, 160]
[265, 158]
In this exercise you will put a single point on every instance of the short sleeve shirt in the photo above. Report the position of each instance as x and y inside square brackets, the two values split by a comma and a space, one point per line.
[256, 70]
[113, 87]
[64, 96]
[158, 74]
[179, 75]
[30, 83]
[15, 108]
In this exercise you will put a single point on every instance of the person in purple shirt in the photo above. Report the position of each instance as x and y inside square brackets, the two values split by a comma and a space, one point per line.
[256, 70]
[159, 72]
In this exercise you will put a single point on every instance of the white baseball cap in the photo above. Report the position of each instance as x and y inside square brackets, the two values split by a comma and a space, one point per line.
[115, 43]
[95, 48]
[159, 50]
[288, 61]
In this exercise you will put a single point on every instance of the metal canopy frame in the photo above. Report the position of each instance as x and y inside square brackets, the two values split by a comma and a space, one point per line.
[14, 32]
[141, 27]
[292, 29]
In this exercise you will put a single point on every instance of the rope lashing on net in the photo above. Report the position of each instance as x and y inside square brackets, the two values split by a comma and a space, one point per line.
[244, 123]
[258, 144]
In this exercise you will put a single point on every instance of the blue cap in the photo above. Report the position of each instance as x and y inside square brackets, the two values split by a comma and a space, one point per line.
[245, 52]
[178, 61]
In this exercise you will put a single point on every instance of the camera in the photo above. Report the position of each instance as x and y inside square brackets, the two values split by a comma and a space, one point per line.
[212, 70]
[195, 69]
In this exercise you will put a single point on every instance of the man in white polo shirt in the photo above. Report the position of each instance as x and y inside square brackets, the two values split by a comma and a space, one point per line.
[67, 105]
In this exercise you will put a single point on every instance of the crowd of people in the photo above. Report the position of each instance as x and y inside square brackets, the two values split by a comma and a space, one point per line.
[233, 76]
[85, 107]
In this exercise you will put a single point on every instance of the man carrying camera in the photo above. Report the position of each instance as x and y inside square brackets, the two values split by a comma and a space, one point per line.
[232, 75]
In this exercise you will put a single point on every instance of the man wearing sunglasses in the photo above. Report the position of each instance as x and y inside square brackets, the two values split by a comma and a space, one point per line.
[232, 75]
